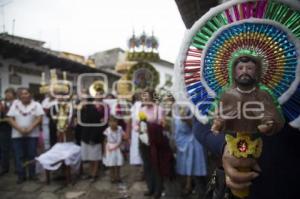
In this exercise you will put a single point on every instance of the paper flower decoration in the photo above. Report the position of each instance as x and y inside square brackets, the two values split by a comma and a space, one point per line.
[142, 116]
[242, 146]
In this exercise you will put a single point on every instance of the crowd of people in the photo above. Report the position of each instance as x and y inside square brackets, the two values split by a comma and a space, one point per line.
[144, 132]
[157, 136]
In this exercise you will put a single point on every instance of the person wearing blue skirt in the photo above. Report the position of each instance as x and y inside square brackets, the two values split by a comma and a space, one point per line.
[190, 157]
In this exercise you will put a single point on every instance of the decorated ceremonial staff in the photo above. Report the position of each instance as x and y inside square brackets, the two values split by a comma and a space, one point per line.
[239, 68]
[64, 110]
[61, 112]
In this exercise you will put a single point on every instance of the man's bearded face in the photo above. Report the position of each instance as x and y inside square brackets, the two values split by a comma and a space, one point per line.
[245, 73]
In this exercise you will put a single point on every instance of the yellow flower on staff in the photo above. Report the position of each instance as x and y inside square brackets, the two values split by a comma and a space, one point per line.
[142, 116]
[242, 146]
[258, 150]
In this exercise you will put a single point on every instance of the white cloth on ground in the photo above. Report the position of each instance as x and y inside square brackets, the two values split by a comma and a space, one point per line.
[68, 152]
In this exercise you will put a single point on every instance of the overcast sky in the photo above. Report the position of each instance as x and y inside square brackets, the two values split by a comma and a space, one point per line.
[87, 26]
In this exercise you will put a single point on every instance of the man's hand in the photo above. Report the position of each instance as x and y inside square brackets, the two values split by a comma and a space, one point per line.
[216, 126]
[266, 128]
[27, 130]
[235, 178]
[22, 131]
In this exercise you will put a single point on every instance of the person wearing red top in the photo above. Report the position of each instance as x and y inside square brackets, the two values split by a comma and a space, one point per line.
[5, 130]
[157, 156]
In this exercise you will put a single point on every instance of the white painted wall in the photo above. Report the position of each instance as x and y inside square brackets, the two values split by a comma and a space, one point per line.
[26, 79]
[162, 69]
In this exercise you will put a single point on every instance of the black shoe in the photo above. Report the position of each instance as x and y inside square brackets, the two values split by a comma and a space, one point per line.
[93, 179]
[119, 181]
[86, 177]
[33, 178]
[186, 192]
[21, 180]
[3, 172]
[148, 193]
[157, 196]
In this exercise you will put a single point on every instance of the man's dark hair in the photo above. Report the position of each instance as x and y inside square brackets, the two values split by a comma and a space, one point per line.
[20, 89]
[11, 90]
[245, 59]
[151, 93]
[113, 118]
[24, 89]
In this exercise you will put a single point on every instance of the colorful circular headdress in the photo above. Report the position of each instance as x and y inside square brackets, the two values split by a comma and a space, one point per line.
[268, 29]
[143, 75]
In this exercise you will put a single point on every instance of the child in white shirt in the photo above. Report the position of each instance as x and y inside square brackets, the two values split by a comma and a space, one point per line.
[113, 156]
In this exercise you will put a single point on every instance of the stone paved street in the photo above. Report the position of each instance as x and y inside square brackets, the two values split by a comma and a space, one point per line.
[84, 189]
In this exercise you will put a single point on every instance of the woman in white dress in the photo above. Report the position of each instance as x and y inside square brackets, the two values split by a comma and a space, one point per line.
[47, 103]
[132, 133]
[113, 156]
[135, 157]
